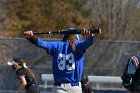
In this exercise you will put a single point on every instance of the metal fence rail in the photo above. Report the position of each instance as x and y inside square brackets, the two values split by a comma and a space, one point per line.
[96, 80]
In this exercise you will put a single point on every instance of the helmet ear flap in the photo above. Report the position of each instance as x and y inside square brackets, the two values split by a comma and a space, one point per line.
[65, 37]
[21, 62]
[78, 36]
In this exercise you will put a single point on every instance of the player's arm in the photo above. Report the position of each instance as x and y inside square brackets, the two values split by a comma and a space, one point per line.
[40, 43]
[87, 42]
[23, 83]
[29, 36]
[89, 37]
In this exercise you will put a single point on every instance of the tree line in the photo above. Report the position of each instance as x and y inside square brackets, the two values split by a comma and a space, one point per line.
[118, 19]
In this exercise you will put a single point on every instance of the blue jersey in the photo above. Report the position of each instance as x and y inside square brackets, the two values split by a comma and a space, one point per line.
[67, 65]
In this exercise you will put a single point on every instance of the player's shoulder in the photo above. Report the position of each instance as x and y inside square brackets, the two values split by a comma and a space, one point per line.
[78, 42]
[20, 71]
[56, 43]
[61, 43]
[135, 57]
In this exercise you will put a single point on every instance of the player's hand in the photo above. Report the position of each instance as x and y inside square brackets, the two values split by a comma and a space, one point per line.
[86, 32]
[28, 34]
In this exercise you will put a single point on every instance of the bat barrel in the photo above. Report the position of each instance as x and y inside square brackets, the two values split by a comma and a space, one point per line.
[97, 30]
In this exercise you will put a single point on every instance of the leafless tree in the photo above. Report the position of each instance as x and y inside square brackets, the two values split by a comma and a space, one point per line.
[117, 15]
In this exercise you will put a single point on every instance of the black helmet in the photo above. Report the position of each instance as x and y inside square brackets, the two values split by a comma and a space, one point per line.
[18, 61]
[71, 29]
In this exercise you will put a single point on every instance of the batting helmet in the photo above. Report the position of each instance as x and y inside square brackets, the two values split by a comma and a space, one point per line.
[18, 61]
[72, 29]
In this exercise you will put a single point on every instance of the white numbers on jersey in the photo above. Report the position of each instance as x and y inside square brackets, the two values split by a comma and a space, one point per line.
[66, 58]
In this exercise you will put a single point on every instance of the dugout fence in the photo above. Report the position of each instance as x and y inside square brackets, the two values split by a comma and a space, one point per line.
[104, 58]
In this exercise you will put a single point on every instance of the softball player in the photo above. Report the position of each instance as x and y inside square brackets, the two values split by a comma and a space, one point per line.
[25, 75]
[131, 75]
[67, 61]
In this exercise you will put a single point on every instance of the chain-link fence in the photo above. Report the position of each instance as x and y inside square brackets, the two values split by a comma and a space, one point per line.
[104, 58]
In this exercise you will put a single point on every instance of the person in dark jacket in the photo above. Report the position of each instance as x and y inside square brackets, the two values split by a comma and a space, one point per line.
[86, 88]
[131, 75]
[25, 75]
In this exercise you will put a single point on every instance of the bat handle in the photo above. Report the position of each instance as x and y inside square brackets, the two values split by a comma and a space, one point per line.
[41, 32]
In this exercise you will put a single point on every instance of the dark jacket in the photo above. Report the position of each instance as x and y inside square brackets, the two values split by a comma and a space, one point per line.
[131, 74]
[29, 78]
